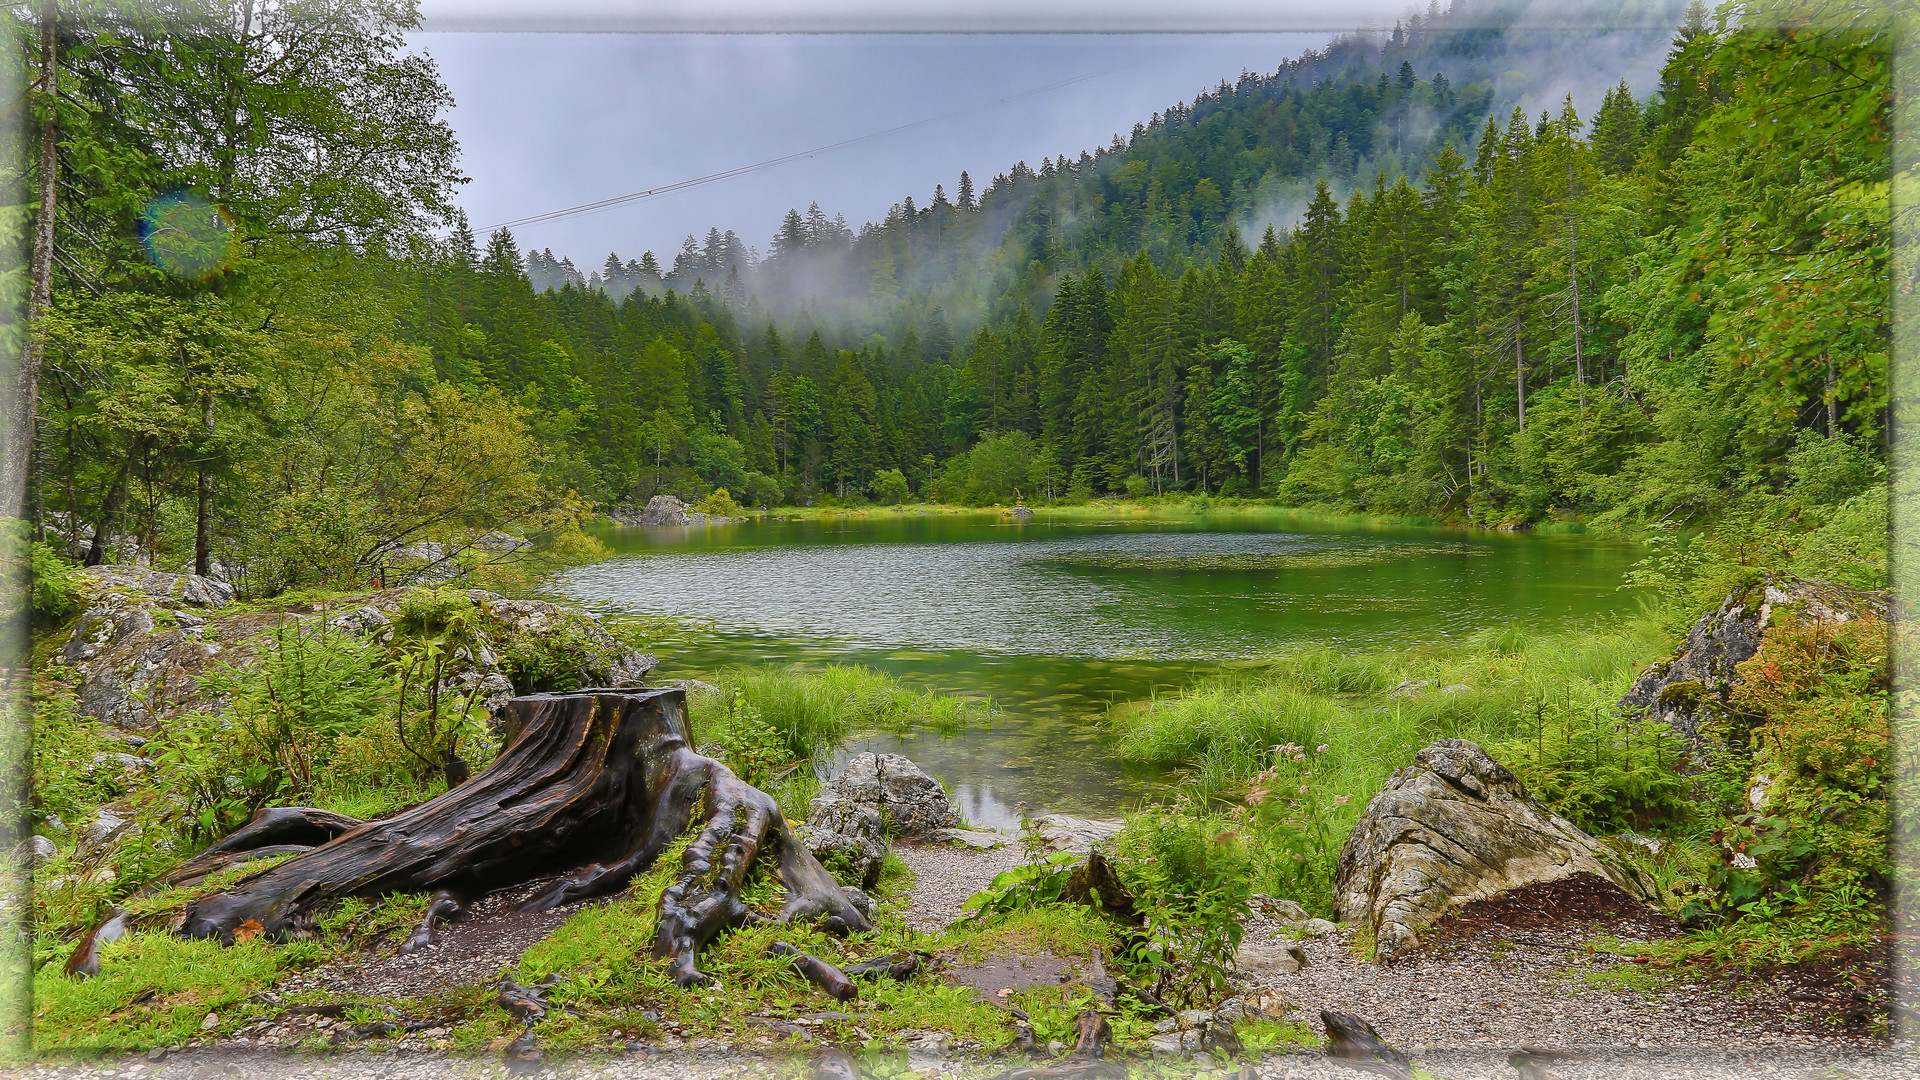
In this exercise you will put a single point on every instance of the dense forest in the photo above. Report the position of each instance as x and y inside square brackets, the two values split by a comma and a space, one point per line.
[1358, 282]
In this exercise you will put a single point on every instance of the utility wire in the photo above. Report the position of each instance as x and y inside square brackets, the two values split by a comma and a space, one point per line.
[618, 200]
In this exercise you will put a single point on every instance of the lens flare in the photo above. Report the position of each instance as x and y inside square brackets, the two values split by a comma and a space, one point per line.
[189, 236]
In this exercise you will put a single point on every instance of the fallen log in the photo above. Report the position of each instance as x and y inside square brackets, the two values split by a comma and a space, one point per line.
[593, 786]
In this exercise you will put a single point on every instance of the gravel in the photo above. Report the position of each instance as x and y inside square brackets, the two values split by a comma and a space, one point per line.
[946, 876]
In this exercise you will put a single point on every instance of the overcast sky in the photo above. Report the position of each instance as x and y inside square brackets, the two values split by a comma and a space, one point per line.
[552, 120]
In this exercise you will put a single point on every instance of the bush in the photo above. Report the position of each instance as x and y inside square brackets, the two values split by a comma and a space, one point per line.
[890, 487]
[762, 490]
[719, 502]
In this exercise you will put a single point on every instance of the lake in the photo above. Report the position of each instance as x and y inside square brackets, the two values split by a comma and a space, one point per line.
[1058, 617]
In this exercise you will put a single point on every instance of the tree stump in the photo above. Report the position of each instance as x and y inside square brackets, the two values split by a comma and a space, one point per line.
[592, 787]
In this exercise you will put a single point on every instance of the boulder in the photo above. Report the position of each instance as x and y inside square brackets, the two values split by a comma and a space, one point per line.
[1454, 827]
[662, 510]
[32, 852]
[1690, 692]
[848, 858]
[884, 787]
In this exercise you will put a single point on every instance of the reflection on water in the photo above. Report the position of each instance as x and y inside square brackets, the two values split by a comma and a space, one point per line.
[1054, 620]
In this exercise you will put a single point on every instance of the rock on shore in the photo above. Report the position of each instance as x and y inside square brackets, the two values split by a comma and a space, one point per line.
[1453, 827]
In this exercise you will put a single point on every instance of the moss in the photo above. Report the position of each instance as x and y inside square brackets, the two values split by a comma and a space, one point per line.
[1684, 696]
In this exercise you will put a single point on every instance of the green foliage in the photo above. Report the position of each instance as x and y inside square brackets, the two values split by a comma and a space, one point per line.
[814, 708]
[1037, 883]
[275, 740]
[890, 487]
[1601, 772]
[59, 588]
[1191, 878]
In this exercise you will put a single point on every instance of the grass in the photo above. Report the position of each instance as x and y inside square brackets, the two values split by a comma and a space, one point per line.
[1223, 729]
[816, 707]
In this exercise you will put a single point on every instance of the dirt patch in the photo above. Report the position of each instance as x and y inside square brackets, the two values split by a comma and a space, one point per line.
[1849, 991]
[997, 979]
[1583, 904]
[469, 953]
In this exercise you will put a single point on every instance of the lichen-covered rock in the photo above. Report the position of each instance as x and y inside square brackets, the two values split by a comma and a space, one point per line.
[163, 587]
[892, 788]
[1454, 827]
[1690, 692]
[139, 657]
[849, 858]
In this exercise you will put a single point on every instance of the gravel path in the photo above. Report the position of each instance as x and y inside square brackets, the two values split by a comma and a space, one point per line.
[946, 876]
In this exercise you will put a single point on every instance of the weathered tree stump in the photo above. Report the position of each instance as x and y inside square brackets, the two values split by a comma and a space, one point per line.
[593, 784]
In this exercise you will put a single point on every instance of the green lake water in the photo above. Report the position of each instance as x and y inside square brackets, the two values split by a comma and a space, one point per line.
[1056, 618]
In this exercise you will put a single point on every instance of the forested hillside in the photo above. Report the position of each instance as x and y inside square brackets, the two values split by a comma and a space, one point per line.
[1654, 313]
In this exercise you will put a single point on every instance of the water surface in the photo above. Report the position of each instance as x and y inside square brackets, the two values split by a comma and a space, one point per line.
[1058, 617]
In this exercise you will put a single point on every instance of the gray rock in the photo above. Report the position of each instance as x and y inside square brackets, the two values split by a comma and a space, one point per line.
[1261, 962]
[1020, 513]
[1273, 907]
[106, 826]
[1454, 827]
[1065, 833]
[122, 772]
[858, 858]
[33, 851]
[1319, 928]
[1692, 689]
[661, 510]
[1239, 1009]
[162, 586]
[1196, 1018]
[499, 543]
[1168, 1045]
[976, 839]
[1409, 688]
[860, 901]
[365, 621]
[890, 788]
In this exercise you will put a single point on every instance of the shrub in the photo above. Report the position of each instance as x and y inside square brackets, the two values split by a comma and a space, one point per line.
[719, 502]
[59, 588]
[890, 487]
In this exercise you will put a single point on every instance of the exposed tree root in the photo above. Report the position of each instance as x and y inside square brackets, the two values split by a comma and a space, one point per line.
[594, 784]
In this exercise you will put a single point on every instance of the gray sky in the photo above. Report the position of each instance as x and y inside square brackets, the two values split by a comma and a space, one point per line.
[552, 120]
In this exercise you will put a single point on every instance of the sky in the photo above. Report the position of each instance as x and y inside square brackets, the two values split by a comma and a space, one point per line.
[552, 120]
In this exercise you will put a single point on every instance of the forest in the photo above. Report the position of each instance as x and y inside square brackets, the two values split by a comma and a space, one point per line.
[1653, 314]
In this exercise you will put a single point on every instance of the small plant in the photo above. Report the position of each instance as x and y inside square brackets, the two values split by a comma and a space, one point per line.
[1191, 879]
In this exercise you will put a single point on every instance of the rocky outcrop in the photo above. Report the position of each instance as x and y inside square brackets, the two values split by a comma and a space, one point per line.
[660, 510]
[138, 653]
[1690, 692]
[1454, 827]
[667, 510]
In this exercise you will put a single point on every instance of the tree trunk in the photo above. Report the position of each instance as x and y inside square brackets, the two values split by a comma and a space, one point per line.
[16, 457]
[203, 496]
[593, 785]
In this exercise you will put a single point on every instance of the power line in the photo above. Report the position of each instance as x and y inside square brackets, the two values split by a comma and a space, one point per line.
[682, 185]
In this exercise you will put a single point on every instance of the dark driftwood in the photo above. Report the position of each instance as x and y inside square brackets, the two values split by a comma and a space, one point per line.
[593, 784]
[817, 971]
